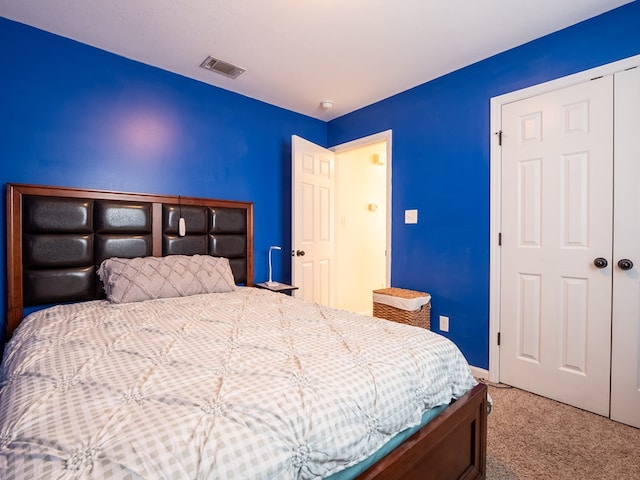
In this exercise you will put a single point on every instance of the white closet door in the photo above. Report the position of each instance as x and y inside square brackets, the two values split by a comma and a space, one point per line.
[557, 182]
[625, 356]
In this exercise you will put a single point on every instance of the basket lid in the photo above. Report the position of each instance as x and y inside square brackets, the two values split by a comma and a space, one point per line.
[401, 298]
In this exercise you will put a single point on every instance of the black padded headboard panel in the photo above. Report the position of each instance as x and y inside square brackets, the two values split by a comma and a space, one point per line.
[217, 231]
[57, 237]
[64, 240]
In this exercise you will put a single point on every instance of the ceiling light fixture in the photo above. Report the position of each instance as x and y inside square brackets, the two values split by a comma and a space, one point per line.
[326, 104]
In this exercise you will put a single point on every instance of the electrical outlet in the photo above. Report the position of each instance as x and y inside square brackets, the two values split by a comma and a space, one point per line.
[444, 323]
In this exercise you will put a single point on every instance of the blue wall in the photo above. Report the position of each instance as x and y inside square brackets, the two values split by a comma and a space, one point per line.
[441, 143]
[77, 116]
[73, 115]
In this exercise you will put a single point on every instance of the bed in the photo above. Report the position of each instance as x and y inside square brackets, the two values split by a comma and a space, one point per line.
[106, 375]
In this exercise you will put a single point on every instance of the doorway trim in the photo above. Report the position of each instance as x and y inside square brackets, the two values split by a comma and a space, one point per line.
[495, 182]
[384, 136]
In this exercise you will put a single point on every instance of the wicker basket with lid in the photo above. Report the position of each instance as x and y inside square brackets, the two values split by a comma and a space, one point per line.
[403, 306]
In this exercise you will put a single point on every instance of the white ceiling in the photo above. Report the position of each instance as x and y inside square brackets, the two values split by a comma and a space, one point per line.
[298, 53]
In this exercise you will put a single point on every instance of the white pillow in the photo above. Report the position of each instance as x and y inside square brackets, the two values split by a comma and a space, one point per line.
[145, 278]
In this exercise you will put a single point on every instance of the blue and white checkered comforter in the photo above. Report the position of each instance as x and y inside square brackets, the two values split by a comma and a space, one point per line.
[243, 385]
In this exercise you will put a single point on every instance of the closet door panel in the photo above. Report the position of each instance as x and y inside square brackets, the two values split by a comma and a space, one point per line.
[556, 217]
[625, 352]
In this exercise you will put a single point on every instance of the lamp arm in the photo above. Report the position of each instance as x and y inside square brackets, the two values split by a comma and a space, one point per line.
[272, 248]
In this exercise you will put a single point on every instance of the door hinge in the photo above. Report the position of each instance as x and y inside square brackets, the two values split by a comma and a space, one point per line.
[500, 239]
[498, 338]
[499, 134]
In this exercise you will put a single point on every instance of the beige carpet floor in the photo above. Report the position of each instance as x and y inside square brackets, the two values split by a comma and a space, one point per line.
[531, 437]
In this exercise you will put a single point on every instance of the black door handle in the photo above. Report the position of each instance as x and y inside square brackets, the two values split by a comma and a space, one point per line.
[300, 253]
[600, 262]
[625, 264]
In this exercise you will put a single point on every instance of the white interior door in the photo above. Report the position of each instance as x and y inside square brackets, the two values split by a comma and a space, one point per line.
[557, 181]
[313, 235]
[625, 356]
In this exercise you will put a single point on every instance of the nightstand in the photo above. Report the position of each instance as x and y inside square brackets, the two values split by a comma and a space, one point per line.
[279, 287]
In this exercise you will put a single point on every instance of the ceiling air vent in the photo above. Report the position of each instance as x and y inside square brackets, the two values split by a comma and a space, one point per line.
[221, 67]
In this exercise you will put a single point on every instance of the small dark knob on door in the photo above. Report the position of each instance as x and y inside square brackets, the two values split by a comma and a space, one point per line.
[300, 253]
[600, 262]
[625, 264]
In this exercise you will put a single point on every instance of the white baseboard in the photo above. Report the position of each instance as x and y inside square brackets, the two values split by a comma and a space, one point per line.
[479, 372]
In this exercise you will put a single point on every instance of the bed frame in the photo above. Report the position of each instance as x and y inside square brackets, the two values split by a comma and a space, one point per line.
[58, 236]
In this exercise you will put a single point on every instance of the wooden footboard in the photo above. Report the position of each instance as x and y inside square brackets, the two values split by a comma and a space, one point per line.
[451, 446]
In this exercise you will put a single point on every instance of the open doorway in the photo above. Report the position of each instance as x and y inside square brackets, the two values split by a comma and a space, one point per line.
[363, 220]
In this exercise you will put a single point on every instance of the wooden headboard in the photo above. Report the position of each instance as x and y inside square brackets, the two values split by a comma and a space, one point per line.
[58, 236]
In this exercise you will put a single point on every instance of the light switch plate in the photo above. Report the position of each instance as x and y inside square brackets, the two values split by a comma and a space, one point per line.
[411, 216]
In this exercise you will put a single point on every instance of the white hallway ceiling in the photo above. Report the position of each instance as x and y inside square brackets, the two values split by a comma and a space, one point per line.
[298, 53]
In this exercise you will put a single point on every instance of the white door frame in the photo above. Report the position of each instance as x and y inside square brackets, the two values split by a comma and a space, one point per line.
[496, 191]
[384, 136]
